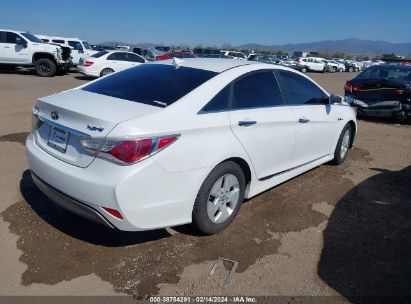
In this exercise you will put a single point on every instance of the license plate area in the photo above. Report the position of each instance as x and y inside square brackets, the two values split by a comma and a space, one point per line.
[58, 139]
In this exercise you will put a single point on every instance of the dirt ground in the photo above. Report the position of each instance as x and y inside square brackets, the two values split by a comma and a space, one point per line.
[334, 231]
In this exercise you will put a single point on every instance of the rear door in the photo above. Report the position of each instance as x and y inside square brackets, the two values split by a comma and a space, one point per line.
[118, 61]
[262, 123]
[77, 51]
[134, 60]
[316, 120]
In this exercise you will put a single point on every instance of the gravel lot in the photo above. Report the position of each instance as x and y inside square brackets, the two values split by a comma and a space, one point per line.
[335, 231]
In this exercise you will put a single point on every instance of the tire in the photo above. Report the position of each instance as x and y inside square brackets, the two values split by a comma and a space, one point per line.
[304, 70]
[340, 70]
[213, 213]
[343, 145]
[45, 67]
[106, 71]
[357, 69]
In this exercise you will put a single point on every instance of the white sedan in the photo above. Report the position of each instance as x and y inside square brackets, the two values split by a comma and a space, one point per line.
[107, 62]
[176, 142]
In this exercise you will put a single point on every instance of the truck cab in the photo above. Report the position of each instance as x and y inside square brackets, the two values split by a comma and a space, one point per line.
[19, 48]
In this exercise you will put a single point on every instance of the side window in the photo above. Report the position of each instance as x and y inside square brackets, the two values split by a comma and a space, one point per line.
[134, 58]
[218, 103]
[117, 56]
[2, 37]
[76, 45]
[11, 37]
[59, 41]
[301, 91]
[122, 56]
[257, 90]
[45, 40]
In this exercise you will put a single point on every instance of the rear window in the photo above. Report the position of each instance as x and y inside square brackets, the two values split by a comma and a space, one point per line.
[153, 84]
[394, 72]
[99, 54]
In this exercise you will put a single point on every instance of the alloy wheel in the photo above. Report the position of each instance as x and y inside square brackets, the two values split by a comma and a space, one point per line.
[223, 198]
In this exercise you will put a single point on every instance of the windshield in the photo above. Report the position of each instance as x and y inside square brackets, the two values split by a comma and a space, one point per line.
[157, 85]
[32, 38]
[86, 45]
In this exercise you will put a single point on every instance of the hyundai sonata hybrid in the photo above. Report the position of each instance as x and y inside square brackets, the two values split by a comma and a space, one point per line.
[182, 141]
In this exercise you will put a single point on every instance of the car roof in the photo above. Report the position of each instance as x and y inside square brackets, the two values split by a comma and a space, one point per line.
[217, 65]
[391, 66]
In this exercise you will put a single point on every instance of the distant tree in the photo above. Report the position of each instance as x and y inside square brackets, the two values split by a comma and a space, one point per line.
[341, 55]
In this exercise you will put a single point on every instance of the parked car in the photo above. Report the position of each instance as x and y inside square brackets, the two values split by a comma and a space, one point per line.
[107, 62]
[18, 48]
[203, 52]
[215, 56]
[80, 48]
[334, 66]
[163, 49]
[188, 152]
[312, 64]
[234, 55]
[381, 91]
[291, 63]
[264, 58]
[176, 54]
[149, 54]
[352, 66]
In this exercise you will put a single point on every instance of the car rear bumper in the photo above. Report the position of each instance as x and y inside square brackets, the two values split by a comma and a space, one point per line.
[69, 203]
[384, 109]
[86, 71]
[146, 195]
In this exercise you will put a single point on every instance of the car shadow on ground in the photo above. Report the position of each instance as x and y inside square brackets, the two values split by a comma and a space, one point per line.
[78, 227]
[17, 71]
[367, 242]
[83, 77]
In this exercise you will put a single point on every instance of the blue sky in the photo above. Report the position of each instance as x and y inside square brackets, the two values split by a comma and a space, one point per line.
[211, 22]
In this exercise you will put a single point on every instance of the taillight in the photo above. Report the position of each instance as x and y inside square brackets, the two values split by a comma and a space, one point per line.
[356, 88]
[88, 63]
[127, 151]
[132, 151]
[348, 86]
[399, 91]
[113, 212]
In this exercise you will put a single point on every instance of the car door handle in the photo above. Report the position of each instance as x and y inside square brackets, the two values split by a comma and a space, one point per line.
[6, 47]
[246, 123]
[303, 120]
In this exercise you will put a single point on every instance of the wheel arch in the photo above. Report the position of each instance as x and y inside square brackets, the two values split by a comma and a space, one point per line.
[353, 127]
[243, 165]
[41, 55]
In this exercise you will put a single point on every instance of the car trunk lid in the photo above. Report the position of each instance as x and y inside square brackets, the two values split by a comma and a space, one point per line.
[69, 116]
[379, 92]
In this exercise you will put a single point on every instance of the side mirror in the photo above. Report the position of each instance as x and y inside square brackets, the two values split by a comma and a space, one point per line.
[336, 99]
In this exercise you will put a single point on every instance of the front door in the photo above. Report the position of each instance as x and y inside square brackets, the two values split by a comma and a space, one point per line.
[262, 123]
[316, 119]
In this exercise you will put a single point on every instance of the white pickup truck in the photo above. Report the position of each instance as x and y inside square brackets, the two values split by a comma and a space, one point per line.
[19, 48]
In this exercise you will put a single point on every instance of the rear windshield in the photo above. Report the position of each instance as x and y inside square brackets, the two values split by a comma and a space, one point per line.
[389, 72]
[153, 84]
[99, 54]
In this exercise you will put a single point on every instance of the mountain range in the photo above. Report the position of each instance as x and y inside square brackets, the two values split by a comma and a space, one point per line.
[351, 46]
